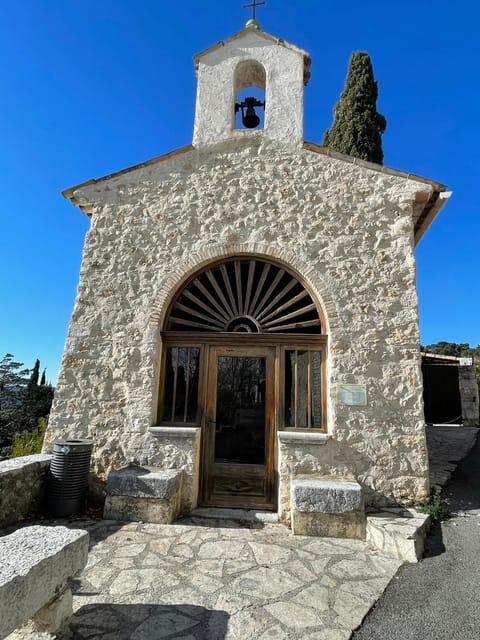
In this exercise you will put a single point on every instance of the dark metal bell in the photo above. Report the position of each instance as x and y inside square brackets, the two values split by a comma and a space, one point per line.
[250, 119]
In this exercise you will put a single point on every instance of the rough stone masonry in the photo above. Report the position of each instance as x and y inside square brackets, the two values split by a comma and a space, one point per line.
[346, 228]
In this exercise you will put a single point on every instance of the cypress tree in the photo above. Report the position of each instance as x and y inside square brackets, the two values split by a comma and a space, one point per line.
[22, 400]
[37, 400]
[33, 382]
[357, 126]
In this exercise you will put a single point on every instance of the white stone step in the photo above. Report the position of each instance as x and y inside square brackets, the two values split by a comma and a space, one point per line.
[398, 533]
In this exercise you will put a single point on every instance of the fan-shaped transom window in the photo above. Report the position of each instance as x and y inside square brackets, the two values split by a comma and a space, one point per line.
[245, 296]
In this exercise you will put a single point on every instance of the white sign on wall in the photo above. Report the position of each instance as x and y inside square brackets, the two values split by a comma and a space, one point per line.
[352, 394]
[466, 362]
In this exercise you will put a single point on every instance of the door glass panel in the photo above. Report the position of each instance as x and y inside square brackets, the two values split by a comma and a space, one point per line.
[240, 410]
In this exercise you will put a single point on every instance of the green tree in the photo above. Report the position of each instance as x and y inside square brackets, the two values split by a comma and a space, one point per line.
[11, 372]
[459, 350]
[35, 374]
[357, 126]
[22, 400]
[13, 380]
[36, 402]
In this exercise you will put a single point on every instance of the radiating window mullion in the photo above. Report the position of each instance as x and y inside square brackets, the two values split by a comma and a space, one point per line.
[274, 300]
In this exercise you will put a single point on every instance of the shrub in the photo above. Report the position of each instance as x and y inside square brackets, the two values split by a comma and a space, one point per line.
[436, 507]
[29, 442]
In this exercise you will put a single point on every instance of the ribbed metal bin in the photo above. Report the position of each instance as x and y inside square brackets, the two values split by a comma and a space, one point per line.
[68, 476]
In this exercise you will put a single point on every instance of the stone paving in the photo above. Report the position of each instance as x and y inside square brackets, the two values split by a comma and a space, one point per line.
[189, 581]
[446, 447]
[217, 579]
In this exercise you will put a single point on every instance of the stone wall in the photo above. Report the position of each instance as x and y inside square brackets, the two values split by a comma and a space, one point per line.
[175, 448]
[467, 381]
[345, 229]
[22, 487]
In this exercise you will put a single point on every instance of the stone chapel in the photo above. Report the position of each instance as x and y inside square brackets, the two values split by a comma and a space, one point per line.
[245, 332]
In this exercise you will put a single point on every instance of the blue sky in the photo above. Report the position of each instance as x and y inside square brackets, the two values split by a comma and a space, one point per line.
[88, 88]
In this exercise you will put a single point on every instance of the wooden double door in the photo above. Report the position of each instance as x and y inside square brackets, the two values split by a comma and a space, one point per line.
[239, 439]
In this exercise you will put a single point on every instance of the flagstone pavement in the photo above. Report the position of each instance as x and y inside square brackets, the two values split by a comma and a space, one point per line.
[203, 579]
[146, 581]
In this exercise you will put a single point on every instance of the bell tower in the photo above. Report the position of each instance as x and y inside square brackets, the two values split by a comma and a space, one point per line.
[263, 64]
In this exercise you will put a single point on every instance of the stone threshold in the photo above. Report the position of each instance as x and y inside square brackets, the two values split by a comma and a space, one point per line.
[243, 515]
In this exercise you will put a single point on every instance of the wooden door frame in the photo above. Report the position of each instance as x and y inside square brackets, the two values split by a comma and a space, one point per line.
[207, 462]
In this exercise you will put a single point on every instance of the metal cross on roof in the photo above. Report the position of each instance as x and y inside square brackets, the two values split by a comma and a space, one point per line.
[254, 6]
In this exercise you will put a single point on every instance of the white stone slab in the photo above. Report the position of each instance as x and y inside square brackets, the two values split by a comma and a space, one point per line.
[138, 482]
[326, 496]
[398, 533]
[35, 564]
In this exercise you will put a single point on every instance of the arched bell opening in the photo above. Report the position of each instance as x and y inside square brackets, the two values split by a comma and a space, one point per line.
[249, 92]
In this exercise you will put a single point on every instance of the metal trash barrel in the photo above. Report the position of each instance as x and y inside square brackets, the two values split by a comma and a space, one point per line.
[68, 476]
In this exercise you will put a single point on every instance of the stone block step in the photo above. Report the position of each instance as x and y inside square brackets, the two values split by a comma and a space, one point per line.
[324, 507]
[146, 494]
[398, 533]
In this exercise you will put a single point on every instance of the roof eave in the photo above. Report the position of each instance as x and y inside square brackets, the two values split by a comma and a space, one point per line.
[432, 208]
[70, 193]
[426, 207]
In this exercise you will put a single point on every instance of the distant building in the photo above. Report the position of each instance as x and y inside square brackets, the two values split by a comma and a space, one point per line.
[450, 390]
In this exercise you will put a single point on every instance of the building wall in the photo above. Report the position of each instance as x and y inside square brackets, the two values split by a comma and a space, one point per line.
[346, 229]
[22, 487]
[467, 381]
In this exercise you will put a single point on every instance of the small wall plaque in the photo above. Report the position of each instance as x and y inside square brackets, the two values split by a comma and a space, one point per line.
[352, 394]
